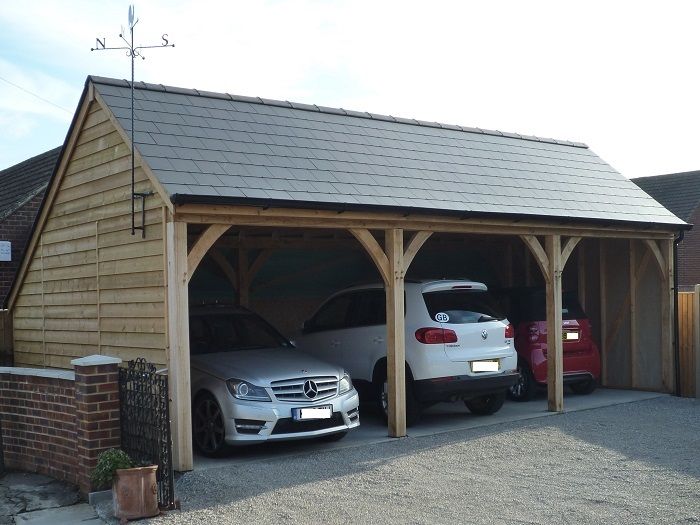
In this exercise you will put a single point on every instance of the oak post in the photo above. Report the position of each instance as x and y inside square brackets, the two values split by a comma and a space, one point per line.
[555, 346]
[667, 316]
[179, 345]
[396, 352]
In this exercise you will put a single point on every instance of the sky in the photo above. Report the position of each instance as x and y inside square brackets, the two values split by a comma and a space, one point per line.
[621, 76]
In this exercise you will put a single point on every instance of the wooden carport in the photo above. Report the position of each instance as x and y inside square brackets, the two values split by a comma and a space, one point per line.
[219, 161]
[402, 239]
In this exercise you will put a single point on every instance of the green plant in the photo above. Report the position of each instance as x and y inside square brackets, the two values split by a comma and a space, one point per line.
[107, 464]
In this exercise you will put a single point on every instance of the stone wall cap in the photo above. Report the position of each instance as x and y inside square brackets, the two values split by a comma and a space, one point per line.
[51, 373]
[96, 360]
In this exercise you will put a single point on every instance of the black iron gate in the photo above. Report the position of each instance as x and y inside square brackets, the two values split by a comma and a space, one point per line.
[2, 454]
[145, 423]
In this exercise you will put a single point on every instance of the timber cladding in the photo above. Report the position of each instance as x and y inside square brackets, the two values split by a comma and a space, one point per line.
[92, 287]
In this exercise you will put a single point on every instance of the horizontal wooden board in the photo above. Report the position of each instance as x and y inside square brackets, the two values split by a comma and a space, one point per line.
[80, 325]
[154, 220]
[27, 312]
[70, 272]
[68, 233]
[95, 186]
[71, 336]
[151, 263]
[124, 237]
[70, 349]
[139, 248]
[33, 276]
[99, 213]
[108, 169]
[73, 258]
[58, 361]
[119, 310]
[81, 284]
[133, 340]
[156, 356]
[29, 300]
[27, 359]
[99, 143]
[99, 130]
[36, 323]
[143, 325]
[32, 288]
[153, 294]
[32, 347]
[71, 312]
[95, 118]
[96, 159]
[83, 198]
[71, 298]
[70, 245]
[134, 280]
[28, 335]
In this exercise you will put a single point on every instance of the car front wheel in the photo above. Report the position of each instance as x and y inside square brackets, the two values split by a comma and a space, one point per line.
[486, 405]
[208, 426]
[412, 406]
[524, 389]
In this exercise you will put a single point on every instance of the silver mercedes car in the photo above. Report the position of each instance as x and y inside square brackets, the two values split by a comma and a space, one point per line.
[250, 385]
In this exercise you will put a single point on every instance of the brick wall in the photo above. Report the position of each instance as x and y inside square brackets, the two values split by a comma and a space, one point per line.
[16, 229]
[56, 422]
[689, 256]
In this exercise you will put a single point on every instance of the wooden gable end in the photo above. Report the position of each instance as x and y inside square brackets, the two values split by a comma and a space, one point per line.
[88, 285]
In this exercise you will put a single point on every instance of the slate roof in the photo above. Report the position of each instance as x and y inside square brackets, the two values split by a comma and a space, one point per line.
[679, 192]
[214, 147]
[21, 182]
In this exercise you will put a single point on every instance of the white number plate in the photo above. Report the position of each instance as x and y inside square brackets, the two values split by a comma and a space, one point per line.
[571, 336]
[323, 412]
[485, 366]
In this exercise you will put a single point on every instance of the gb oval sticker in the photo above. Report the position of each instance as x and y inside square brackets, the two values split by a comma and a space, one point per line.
[442, 317]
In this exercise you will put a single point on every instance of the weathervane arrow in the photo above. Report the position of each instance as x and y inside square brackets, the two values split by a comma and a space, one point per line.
[132, 52]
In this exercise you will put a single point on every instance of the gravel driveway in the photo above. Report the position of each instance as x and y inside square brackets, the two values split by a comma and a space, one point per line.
[632, 463]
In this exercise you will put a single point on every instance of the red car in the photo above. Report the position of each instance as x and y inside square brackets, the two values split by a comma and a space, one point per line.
[527, 312]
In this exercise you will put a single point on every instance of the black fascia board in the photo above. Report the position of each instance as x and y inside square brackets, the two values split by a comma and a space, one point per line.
[180, 198]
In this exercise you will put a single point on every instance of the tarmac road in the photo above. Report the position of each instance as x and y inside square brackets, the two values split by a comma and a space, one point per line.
[636, 463]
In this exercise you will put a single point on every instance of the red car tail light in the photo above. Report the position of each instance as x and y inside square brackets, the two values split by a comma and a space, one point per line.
[510, 333]
[435, 336]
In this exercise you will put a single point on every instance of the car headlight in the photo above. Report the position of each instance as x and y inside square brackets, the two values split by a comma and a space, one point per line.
[344, 385]
[248, 391]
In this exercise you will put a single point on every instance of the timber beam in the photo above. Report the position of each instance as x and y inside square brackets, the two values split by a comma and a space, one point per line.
[325, 219]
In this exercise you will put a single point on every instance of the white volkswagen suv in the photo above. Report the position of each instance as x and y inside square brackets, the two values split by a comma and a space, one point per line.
[457, 346]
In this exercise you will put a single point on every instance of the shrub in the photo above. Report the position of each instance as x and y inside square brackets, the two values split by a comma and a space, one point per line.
[107, 464]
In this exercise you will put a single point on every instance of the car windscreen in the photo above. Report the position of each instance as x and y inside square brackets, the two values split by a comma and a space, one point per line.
[461, 306]
[227, 332]
[533, 307]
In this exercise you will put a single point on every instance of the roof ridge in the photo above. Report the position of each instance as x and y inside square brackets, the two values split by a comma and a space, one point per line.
[328, 110]
[22, 200]
[647, 177]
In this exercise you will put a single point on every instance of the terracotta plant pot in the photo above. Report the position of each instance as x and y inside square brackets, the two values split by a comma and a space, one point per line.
[135, 493]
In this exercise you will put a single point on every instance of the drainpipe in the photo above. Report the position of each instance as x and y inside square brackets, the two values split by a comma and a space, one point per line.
[676, 348]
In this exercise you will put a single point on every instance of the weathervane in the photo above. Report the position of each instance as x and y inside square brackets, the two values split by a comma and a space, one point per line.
[133, 52]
